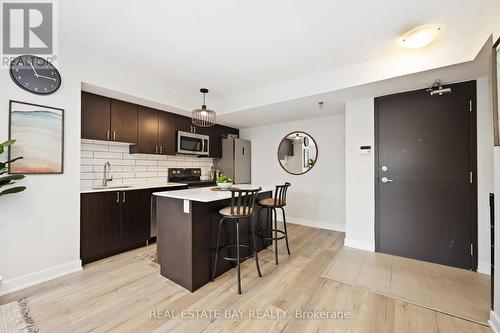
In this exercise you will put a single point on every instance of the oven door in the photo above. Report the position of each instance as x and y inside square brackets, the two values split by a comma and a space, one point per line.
[191, 143]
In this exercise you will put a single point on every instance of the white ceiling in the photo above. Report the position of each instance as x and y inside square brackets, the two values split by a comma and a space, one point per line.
[246, 51]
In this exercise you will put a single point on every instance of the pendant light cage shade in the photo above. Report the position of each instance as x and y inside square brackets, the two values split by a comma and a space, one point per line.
[203, 117]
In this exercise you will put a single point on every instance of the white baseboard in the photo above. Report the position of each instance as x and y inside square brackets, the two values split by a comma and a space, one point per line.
[494, 322]
[359, 245]
[28, 280]
[484, 267]
[314, 223]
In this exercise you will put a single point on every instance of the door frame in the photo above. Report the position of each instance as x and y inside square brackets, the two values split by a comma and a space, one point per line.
[473, 143]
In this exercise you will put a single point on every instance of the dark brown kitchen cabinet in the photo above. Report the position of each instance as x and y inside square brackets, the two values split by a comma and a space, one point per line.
[156, 132]
[108, 119]
[184, 124]
[96, 119]
[113, 222]
[123, 121]
[99, 225]
[216, 134]
[166, 133]
[135, 217]
[147, 132]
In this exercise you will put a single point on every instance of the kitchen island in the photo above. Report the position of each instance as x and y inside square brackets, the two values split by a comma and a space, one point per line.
[188, 222]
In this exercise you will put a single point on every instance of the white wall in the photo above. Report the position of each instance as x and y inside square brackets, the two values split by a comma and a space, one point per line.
[317, 197]
[360, 192]
[360, 202]
[39, 228]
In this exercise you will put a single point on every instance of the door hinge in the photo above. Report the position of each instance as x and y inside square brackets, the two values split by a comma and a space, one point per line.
[470, 177]
[470, 105]
[471, 249]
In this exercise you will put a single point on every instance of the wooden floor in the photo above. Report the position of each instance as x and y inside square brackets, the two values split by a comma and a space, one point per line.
[455, 291]
[118, 294]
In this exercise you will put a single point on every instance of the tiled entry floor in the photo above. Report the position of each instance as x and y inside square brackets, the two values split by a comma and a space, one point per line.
[453, 291]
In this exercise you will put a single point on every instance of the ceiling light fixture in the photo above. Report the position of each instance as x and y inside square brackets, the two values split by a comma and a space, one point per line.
[421, 37]
[203, 117]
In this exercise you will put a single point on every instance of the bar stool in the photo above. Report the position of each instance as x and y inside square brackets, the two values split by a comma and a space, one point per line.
[270, 204]
[242, 202]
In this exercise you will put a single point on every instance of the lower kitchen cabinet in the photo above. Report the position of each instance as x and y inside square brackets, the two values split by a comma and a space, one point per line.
[135, 217]
[114, 222]
[99, 225]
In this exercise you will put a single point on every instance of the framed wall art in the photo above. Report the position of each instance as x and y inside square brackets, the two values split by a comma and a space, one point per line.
[39, 134]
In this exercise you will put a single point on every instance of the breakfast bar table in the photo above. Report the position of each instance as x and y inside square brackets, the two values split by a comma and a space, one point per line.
[188, 222]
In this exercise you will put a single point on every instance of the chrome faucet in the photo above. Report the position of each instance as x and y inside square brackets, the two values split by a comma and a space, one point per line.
[106, 175]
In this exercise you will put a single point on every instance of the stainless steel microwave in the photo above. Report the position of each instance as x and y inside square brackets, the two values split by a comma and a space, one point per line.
[192, 143]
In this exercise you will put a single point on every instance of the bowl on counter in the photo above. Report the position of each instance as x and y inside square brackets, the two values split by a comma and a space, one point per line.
[225, 186]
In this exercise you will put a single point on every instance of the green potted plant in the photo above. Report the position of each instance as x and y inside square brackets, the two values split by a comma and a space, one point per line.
[9, 180]
[224, 183]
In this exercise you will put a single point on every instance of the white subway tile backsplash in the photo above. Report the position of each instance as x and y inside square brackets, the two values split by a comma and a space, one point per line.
[94, 147]
[146, 162]
[106, 154]
[130, 169]
[86, 154]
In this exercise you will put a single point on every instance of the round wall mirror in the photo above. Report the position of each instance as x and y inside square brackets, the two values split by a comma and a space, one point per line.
[297, 153]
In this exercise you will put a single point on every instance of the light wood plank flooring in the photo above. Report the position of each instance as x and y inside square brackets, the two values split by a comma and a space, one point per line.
[458, 292]
[117, 295]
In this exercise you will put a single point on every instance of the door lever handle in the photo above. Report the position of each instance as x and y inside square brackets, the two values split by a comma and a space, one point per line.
[386, 180]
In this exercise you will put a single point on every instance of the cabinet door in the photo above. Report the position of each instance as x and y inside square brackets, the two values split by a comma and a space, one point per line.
[123, 121]
[136, 217]
[99, 225]
[147, 131]
[166, 133]
[183, 124]
[95, 117]
[215, 145]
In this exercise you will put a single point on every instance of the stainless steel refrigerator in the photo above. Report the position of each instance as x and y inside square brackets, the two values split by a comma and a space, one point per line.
[236, 160]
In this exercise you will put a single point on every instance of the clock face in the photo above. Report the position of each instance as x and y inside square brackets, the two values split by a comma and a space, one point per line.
[35, 74]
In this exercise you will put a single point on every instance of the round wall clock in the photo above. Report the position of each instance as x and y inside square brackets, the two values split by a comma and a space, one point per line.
[35, 74]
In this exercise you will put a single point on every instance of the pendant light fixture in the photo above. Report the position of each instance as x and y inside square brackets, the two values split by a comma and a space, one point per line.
[203, 117]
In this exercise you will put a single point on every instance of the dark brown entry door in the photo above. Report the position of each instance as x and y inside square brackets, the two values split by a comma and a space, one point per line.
[425, 176]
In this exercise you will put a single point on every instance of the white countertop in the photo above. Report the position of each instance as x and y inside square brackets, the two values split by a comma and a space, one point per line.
[205, 194]
[112, 188]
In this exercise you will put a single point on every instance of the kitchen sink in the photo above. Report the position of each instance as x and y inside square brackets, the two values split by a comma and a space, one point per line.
[110, 187]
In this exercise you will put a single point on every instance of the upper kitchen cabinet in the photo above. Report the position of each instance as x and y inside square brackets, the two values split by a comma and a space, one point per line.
[216, 134]
[166, 133]
[123, 121]
[147, 132]
[184, 124]
[108, 119]
[96, 119]
[155, 132]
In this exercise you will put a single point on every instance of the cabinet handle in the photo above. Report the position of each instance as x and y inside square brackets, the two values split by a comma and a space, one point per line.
[161, 149]
[108, 137]
[123, 197]
[117, 197]
[156, 149]
[114, 136]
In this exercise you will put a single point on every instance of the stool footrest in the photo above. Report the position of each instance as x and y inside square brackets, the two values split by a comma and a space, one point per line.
[261, 236]
[246, 247]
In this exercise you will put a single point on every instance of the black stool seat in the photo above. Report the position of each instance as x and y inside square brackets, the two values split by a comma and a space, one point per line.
[270, 204]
